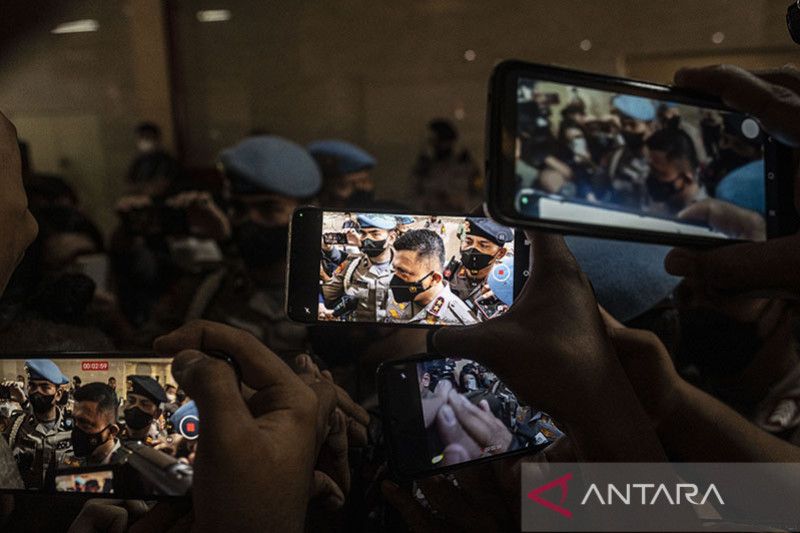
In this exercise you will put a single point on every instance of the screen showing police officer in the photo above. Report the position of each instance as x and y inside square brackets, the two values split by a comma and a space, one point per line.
[468, 414]
[618, 160]
[138, 436]
[414, 269]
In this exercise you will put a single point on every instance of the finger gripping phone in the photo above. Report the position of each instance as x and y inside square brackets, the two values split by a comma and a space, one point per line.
[442, 413]
[624, 159]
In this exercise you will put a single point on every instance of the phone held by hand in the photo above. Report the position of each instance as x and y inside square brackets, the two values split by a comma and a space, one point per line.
[624, 159]
[441, 413]
[417, 270]
[96, 424]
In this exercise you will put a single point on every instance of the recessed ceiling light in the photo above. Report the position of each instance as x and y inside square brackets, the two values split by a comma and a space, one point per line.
[718, 37]
[214, 15]
[76, 26]
[586, 45]
[470, 55]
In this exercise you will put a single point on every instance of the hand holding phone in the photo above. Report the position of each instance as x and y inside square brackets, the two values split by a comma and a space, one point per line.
[258, 452]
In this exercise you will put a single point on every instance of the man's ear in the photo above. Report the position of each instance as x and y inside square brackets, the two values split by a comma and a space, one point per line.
[113, 429]
[502, 253]
[392, 236]
[437, 277]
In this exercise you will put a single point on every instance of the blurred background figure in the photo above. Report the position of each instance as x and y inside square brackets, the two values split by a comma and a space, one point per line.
[629, 167]
[445, 176]
[346, 179]
[153, 170]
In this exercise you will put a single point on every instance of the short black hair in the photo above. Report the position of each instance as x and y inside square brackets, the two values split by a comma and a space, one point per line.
[112, 377]
[676, 143]
[148, 129]
[101, 393]
[77, 378]
[423, 241]
[443, 129]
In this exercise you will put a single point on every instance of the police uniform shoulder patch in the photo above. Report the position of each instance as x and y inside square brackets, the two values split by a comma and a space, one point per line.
[437, 306]
[342, 267]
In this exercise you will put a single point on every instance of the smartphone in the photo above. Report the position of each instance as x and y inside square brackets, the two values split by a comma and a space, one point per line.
[441, 413]
[626, 159]
[117, 433]
[413, 269]
[334, 238]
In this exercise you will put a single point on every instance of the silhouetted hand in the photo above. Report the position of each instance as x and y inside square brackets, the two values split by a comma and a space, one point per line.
[774, 98]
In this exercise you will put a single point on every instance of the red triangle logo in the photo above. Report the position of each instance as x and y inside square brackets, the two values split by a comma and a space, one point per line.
[561, 482]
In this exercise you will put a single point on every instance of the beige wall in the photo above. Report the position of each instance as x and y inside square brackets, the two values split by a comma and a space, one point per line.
[376, 71]
[120, 369]
[371, 71]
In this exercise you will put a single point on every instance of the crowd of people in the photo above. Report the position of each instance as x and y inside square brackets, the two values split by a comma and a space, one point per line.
[393, 269]
[636, 154]
[290, 440]
[53, 424]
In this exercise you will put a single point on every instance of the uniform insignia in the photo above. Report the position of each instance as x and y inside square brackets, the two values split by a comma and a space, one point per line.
[341, 268]
[437, 306]
[394, 313]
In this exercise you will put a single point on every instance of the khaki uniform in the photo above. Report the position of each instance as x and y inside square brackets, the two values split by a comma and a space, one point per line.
[358, 277]
[445, 309]
[470, 290]
[38, 448]
[114, 457]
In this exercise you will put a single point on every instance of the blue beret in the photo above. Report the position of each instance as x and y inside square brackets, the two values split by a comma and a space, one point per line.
[186, 420]
[635, 107]
[628, 277]
[404, 219]
[489, 229]
[377, 221]
[45, 369]
[146, 386]
[271, 164]
[350, 158]
[744, 187]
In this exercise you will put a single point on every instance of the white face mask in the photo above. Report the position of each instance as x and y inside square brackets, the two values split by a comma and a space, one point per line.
[170, 398]
[470, 382]
[145, 145]
[580, 147]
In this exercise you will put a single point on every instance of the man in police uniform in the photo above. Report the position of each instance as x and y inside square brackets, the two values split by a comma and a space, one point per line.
[629, 166]
[143, 406]
[268, 177]
[404, 223]
[346, 173]
[482, 247]
[95, 432]
[39, 435]
[360, 284]
[419, 292]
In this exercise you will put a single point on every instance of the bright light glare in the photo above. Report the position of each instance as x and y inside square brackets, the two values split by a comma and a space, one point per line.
[76, 26]
[214, 15]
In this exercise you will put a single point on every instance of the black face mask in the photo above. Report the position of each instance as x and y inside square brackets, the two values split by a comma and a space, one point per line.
[406, 291]
[41, 403]
[180, 396]
[716, 344]
[474, 260]
[360, 198]
[672, 123]
[261, 246]
[84, 444]
[634, 141]
[373, 248]
[137, 419]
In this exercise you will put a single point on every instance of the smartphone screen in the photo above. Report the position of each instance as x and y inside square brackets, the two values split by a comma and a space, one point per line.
[612, 159]
[443, 412]
[609, 157]
[399, 268]
[105, 424]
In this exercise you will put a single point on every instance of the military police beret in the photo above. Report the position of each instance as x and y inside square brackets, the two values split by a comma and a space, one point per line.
[489, 229]
[349, 157]
[377, 221]
[45, 369]
[635, 107]
[404, 219]
[146, 386]
[271, 164]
